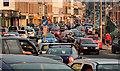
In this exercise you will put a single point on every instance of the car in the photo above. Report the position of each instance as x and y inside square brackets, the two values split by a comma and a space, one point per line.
[34, 63]
[63, 27]
[70, 26]
[37, 30]
[23, 33]
[17, 45]
[31, 32]
[55, 31]
[64, 50]
[80, 28]
[86, 45]
[95, 65]
[74, 30]
[96, 39]
[89, 28]
[15, 34]
[50, 26]
[49, 38]
[116, 45]
[3, 31]
[63, 37]
[13, 29]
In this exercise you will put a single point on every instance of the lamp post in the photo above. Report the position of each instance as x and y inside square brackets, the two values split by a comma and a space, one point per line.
[101, 19]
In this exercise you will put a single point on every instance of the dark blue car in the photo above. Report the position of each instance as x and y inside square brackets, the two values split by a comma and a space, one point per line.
[64, 50]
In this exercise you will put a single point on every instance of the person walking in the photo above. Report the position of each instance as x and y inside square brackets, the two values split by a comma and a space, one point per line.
[108, 40]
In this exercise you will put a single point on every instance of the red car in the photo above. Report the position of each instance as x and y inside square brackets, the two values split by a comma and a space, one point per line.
[96, 39]
[55, 31]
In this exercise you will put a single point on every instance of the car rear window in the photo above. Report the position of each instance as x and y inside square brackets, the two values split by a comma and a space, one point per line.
[30, 30]
[95, 38]
[86, 41]
[59, 51]
[12, 28]
[2, 30]
[54, 29]
[21, 32]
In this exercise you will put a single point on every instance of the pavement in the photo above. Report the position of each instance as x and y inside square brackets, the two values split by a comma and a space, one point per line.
[105, 47]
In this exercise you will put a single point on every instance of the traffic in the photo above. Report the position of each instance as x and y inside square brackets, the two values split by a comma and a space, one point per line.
[61, 47]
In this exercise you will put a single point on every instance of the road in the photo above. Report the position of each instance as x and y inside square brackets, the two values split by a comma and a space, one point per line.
[104, 53]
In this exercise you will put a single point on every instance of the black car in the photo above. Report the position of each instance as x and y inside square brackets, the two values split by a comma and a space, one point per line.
[13, 29]
[17, 45]
[63, 27]
[64, 50]
[30, 63]
[86, 45]
[116, 45]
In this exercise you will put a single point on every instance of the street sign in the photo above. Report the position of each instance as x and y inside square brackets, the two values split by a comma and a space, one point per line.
[44, 22]
[44, 30]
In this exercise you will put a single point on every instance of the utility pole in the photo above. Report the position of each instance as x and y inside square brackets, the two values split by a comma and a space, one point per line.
[94, 15]
[101, 19]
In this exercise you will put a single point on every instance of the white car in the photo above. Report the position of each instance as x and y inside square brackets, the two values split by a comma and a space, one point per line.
[31, 32]
[95, 65]
[23, 33]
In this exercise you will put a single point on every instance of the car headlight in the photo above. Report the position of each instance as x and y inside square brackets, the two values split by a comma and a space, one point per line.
[85, 47]
[39, 41]
[97, 48]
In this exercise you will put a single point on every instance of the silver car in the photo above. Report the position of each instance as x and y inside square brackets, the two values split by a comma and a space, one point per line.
[95, 65]
[31, 32]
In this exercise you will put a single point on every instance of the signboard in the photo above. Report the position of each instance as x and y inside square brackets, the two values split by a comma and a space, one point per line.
[44, 22]
[44, 30]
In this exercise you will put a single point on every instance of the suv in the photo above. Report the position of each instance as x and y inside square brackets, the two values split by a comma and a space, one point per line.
[13, 45]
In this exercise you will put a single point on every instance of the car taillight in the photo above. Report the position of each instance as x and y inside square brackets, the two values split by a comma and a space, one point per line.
[4, 32]
[70, 59]
[64, 38]
[32, 32]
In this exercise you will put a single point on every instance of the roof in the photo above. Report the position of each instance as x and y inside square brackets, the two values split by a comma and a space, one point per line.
[100, 61]
[10, 58]
[8, 38]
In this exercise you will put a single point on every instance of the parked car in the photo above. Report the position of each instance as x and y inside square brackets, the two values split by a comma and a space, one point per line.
[96, 39]
[3, 31]
[50, 26]
[63, 27]
[64, 50]
[95, 65]
[13, 29]
[23, 33]
[34, 63]
[116, 45]
[16, 45]
[31, 32]
[86, 45]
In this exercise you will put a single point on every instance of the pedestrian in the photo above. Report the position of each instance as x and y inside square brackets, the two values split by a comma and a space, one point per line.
[108, 40]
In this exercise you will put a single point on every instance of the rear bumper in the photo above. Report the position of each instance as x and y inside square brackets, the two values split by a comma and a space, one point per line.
[89, 50]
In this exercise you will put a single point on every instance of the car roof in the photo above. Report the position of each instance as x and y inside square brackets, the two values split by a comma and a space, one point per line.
[99, 61]
[11, 58]
[14, 38]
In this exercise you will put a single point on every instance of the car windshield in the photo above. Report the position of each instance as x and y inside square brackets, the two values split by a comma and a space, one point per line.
[95, 38]
[50, 25]
[108, 67]
[59, 50]
[49, 35]
[86, 41]
[21, 32]
[38, 66]
[30, 30]
[54, 29]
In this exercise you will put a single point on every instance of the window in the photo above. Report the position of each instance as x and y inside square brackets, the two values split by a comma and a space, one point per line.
[5, 2]
[12, 46]
[27, 47]
[77, 66]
